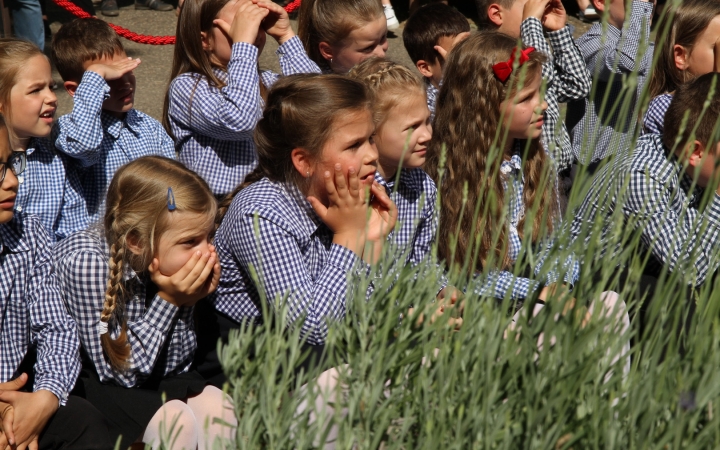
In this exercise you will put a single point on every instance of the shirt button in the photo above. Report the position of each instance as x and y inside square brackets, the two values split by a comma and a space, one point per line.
[21, 179]
[19, 209]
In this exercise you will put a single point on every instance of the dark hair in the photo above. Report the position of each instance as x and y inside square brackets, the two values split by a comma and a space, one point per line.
[332, 21]
[300, 112]
[689, 20]
[82, 40]
[427, 25]
[484, 22]
[468, 125]
[196, 17]
[700, 100]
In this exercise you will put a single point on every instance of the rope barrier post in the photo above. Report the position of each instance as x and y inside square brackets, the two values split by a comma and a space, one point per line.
[135, 37]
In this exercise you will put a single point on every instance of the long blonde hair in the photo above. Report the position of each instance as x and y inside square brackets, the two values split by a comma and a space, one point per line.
[13, 54]
[137, 208]
[467, 123]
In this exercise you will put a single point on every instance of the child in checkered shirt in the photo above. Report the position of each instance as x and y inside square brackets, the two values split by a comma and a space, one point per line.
[103, 131]
[689, 49]
[429, 34]
[564, 70]
[216, 95]
[50, 187]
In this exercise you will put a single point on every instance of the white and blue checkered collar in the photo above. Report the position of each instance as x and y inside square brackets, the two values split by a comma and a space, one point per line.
[113, 126]
[406, 180]
[11, 237]
[693, 193]
[305, 212]
[514, 164]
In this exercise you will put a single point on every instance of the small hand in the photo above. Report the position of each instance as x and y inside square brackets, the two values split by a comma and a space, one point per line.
[30, 413]
[277, 22]
[115, 70]
[535, 8]
[383, 214]
[555, 17]
[246, 23]
[457, 39]
[6, 413]
[198, 278]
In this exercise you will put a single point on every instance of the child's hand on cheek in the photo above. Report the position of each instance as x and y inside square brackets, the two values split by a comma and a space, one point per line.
[277, 22]
[115, 70]
[245, 24]
[383, 214]
[197, 279]
[346, 212]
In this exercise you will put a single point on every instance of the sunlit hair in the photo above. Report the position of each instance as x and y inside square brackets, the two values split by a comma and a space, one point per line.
[389, 84]
[80, 41]
[300, 112]
[332, 21]
[196, 17]
[14, 53]
[688, 22]
[137, 209]
[468, 122]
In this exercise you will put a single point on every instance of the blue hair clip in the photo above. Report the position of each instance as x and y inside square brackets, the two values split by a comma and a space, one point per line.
[171, 200]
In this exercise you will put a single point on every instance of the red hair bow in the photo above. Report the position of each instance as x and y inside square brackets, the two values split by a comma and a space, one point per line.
[504, 69]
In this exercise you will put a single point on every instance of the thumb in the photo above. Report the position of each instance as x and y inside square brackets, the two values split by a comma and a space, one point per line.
[16, 384]
[319, 208]
[8, 397]
[441, 51]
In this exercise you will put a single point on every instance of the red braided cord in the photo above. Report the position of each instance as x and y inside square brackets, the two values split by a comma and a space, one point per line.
[141, 38]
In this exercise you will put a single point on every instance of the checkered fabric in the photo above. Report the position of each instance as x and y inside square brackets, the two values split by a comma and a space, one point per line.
[654, 120]
[567, 79]
[656, 196]
[271, 229]
[213, 128]
[99, 143]
[32, 310]
[611, 58]
[50, 188]
[432, 93]
[81, 262]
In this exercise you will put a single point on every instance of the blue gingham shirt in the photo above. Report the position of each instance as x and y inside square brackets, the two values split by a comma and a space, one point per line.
[432, 93]
[32, 310]
[619, 72]
[271, 228]
[502, 283]
[654, 120]
[213, 128]
[81, 262]
[99, 143]
[657, 198]
[50, 188]
[567, 79]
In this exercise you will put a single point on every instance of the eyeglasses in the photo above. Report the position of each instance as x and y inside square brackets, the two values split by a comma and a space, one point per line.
[16, 162]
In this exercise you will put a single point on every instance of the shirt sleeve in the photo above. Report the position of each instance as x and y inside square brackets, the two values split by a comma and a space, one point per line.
[83, 277]
[81, 131]
[73, 211]
[572, 79]
[294, 60]
[531, 34]
[501, 284]
[58, 349]
[618, 51]
[229, 113]
[680, 241]
[273, 253]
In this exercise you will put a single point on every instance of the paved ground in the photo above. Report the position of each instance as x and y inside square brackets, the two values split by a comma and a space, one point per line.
[153, 74]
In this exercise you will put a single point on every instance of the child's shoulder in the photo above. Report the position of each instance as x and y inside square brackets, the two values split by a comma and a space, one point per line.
[25, 232]
[81, 242]
[263, 197]
[649, 157]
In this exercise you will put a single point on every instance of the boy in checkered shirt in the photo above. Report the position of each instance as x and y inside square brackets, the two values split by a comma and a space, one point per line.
[429, 34]
[103, 131]
[666, 189]
[564, 71]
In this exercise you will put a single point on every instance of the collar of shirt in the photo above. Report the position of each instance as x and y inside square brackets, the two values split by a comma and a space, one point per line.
[513, 165]
[305, 212]
[113, 126]
[11, 238]
[406, 180]
[694, 194]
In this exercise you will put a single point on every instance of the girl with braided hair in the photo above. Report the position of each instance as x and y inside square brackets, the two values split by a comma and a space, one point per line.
[132, 288]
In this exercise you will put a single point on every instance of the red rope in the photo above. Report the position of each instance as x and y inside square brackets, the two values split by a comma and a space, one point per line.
[141, 38]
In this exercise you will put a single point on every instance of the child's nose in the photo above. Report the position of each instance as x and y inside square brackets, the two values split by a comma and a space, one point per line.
[380, 51]
[10, 183]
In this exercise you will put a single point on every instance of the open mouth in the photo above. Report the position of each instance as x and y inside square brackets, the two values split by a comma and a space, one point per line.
[48, 114]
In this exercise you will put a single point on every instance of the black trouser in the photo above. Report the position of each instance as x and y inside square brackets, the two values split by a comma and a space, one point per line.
[76, 426]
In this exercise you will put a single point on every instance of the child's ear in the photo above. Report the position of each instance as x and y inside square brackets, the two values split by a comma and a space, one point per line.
[495, 14]
[133, 244]
[695, 152]
[680, 54]
[302, 161]
[599, 5]
[205, 40]
[424, 68]
[325, 50]
[70, 87]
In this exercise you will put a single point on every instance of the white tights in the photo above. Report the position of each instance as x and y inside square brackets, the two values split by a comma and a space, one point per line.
[190, 425]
